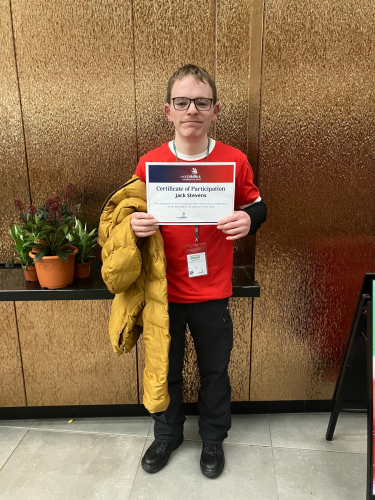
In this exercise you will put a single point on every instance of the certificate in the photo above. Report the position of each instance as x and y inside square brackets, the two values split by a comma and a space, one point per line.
[190, 193]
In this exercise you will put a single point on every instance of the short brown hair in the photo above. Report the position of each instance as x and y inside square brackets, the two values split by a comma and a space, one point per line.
[195, 71]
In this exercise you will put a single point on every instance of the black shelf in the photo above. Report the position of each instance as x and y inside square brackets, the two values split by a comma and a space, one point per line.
[14, 287]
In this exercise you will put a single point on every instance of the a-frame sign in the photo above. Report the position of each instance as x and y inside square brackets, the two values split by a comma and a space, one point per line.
[358, 366]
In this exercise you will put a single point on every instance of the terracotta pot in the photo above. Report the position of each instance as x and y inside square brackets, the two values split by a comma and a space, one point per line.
[53, 272]
[82, 270]
[30, 273]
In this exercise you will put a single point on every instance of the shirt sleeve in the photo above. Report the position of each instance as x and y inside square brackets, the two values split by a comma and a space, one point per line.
[246, 191]
[140, 171]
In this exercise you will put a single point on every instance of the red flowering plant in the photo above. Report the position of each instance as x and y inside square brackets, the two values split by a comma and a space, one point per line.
[48, 226]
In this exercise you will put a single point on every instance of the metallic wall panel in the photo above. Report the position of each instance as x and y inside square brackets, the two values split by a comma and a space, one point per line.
[255, 67]
[237, 70]
[232, 58]
[13, 170]
[76, 74]
[167, 35]
[316, 174]
[68, 358]
[12, 392]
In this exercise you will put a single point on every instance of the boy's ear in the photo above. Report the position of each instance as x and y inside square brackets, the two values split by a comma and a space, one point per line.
[167, 112]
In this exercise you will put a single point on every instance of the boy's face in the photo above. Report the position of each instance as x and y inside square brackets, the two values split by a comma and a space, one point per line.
[191, 123]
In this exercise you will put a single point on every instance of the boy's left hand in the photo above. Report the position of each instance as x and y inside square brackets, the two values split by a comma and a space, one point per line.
[236, 225]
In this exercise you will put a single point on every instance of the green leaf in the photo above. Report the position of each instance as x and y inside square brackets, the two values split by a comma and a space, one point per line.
[62, 254]
[39, 255]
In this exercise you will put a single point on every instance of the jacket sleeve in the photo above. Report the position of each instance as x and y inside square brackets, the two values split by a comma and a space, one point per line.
[122, 260]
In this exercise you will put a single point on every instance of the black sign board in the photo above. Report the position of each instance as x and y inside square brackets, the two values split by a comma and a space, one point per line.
[355, 385]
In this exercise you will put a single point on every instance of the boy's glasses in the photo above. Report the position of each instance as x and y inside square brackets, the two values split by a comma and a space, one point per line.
[183, 103]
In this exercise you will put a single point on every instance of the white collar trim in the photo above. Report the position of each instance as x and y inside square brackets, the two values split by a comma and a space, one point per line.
[194, 157]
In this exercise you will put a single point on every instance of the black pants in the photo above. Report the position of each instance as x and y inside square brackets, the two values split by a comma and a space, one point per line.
[212, 331]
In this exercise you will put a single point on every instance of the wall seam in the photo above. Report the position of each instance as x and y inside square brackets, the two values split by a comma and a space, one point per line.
[214, 52]
[137, 149]
[249, 87]
[256, 180]
[260, 85]
[20, 351]
[20, 99]
[134, 82]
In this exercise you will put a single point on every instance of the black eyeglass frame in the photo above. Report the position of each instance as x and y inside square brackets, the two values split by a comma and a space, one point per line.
[192, 100]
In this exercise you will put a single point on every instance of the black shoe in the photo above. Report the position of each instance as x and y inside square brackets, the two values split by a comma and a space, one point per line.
[157, 455]
[212, 460]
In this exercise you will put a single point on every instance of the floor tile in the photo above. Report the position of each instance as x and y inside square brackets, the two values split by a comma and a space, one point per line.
[9, 440]
[246, 429]
[129, 426]
[308, 432]
[25, 423]
[250, 429]
[248, 473]
[319, 475]
[59, 465]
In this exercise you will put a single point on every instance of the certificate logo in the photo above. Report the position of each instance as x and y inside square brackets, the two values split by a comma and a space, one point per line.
[183, 216]
[192, 177]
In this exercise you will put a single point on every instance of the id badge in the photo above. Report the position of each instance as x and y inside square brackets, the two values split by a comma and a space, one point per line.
[196, 260]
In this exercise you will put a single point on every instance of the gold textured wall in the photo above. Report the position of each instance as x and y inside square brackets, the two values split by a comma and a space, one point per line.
[13, 168]
[82, 88]
[317, 174]
[67, 356]
[12, 391]
[76, 78]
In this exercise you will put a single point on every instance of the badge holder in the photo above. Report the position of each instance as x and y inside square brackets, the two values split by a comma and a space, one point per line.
[196, 257]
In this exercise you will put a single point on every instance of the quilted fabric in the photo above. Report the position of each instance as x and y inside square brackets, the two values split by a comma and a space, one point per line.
[134, 269]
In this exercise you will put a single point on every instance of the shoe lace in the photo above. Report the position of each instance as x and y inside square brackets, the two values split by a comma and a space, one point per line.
[160, 447]
[211, 449]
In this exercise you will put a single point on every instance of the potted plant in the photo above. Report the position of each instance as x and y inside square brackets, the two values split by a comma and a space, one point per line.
[21, 239]
[48, 227]
[85, 242]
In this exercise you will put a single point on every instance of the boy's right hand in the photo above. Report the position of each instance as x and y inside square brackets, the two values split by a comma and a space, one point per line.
[143, 224]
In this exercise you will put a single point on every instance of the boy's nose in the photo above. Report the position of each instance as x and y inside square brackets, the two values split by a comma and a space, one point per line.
[192, 107]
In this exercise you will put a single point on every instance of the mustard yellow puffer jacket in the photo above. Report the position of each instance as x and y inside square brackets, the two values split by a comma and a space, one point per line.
[134, 269]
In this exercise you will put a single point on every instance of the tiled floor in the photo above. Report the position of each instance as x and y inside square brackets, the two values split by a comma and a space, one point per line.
[268, 457]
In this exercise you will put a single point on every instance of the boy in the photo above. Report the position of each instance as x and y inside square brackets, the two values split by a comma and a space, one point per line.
[201, 302]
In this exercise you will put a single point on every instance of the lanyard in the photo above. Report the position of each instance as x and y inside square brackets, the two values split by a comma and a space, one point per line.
[208, 152]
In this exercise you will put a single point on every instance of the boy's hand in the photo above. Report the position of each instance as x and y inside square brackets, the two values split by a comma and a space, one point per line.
[143, 224]
[236, 225]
